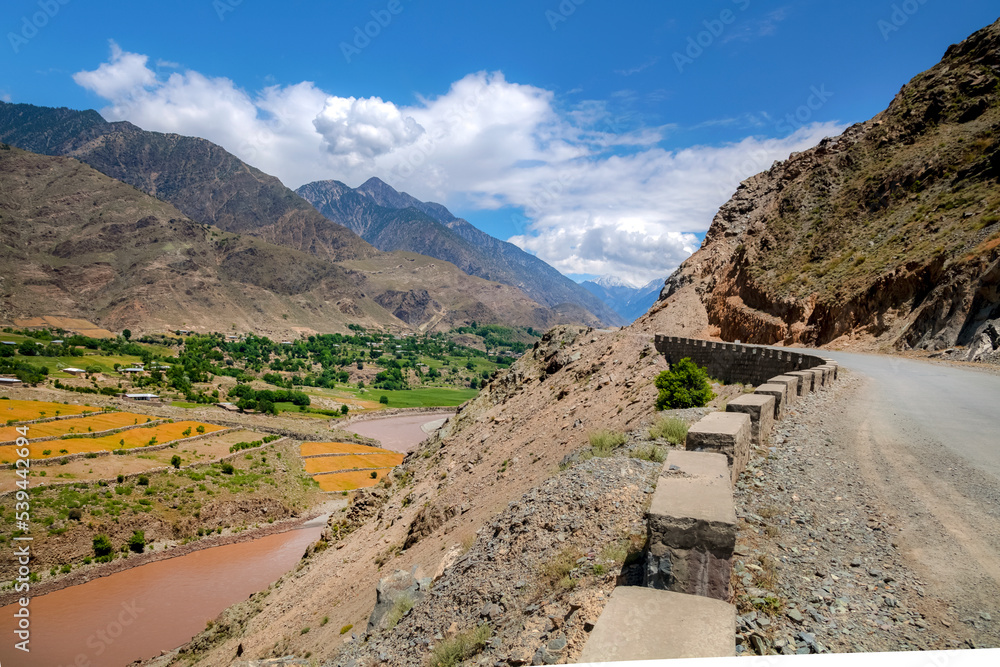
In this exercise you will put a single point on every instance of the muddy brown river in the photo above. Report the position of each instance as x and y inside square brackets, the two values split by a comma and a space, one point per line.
[140, 612]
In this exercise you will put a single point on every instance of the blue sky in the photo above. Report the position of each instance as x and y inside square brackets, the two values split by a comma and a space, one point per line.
[600, 135]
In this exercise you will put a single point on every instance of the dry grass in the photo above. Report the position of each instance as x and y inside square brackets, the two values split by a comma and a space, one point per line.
[352, 461]
[95, 423]
[316, 448]
[30, 410]
[671, 429]
[349, 481]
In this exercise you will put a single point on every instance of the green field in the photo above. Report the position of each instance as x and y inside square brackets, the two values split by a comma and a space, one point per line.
[425, 397]
[106, 363]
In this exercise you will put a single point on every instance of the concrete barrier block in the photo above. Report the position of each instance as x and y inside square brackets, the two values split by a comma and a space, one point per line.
[760, 407]
[817, 378]
[645, 624]
[728, 433]
[806, 381]
[779, 391]
[791, 382]
[829, 374]
[691, 526]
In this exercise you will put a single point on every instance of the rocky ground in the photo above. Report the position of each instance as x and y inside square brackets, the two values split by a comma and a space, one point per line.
[819, 566]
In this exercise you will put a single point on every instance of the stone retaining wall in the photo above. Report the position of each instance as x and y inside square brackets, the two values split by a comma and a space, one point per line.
[682, 611]
[733, 362]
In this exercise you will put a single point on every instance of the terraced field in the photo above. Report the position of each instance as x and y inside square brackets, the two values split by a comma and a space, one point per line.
[18, 411]
[340, 466]
[159, 434]
[93, 423]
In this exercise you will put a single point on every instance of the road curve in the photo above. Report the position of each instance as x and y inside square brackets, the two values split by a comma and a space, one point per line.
[926, 438]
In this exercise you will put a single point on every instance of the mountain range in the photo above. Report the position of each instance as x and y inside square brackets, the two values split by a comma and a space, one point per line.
[210, 186]
[629, 301]
[392, 220]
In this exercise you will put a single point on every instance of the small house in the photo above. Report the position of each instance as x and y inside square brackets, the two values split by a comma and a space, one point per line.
[10, 382]
[142, 397]
[76, 372]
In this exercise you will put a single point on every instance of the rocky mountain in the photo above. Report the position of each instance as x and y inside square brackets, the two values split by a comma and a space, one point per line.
[392, 220]
[629, 301]
[80, 244]
[213, 187]
[886, 236]
[203, 180]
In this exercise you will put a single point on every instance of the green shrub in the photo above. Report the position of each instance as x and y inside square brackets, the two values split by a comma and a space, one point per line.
[102, 546]
[384, 400]
[175, 461]
[671, 429]
[463, 646]
[685, 385]
[120, 478]
[143, 480]
[227, 468]
[650, 453]
[137, 542]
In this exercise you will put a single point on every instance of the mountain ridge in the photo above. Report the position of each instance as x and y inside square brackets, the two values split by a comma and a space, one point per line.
[885, 237]
[455, 240]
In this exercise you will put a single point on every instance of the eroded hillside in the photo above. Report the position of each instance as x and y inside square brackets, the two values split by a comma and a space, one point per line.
[887, 235]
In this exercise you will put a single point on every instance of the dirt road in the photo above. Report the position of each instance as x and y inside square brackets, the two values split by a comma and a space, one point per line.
[926, 440]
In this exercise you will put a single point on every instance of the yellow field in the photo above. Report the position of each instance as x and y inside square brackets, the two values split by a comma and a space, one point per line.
[134, 439]
[348, 481]
[29, 410]
[316, 448]
[351, 461]
[96, 423]
[83, 327]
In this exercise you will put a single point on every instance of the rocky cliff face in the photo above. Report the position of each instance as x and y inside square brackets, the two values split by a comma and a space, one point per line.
[885, 236]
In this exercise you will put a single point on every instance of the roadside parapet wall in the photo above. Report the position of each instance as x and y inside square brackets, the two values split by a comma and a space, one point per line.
[681, 611]
[735, 362]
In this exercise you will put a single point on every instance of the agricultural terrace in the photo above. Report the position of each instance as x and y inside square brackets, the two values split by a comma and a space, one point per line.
[207, 450]
[12, 411]
[90, 424]
[157, 434]
[340, 466]
[351, 480]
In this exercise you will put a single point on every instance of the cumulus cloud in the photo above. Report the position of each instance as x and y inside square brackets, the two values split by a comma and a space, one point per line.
[599, 193]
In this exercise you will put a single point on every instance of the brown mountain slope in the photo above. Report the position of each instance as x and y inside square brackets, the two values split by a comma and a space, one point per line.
[886, 235]
[200, 178]
[77, 243]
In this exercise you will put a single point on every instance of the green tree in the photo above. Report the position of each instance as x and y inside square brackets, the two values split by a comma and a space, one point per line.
[102, 546]
[175, 461]
[685, 385]
[384, 400]
[137, 542]
[127, 334]
[343, 409]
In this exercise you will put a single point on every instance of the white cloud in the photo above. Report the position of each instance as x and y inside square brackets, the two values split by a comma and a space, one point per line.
[600, 195]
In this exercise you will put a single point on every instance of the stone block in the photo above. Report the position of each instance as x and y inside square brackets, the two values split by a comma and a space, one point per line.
[645, 624]
[779, 391]
[760, 407]
[806, 383]
[728, 433]
[817, 378]
[789, 381]
[691, 526]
